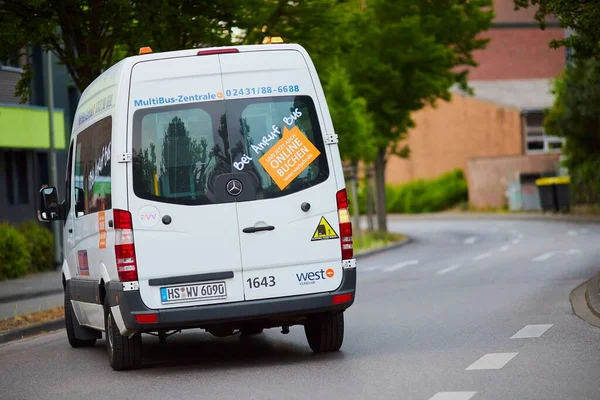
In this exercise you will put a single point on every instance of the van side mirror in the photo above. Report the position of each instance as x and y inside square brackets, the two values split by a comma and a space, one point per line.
[49, 209]
[79, 202]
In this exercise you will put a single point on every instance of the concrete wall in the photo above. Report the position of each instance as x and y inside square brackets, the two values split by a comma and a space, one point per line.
[447, 136]
[488, 177]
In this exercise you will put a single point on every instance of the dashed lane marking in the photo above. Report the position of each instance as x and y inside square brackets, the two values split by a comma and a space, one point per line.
[504, 248]
[449, 269]
[572, 233]
[453, 396]
[492, 361]
[470, 240]
[531, 331]
[401, 265]
[573, 251]
[482, 256]
[544, 257]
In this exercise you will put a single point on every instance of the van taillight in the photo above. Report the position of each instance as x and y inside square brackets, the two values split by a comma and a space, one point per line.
[345, 225]
[124, 246]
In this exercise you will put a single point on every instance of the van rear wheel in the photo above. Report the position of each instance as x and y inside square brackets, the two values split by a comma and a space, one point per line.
[124, 353]
[70, 321]
[325, 332]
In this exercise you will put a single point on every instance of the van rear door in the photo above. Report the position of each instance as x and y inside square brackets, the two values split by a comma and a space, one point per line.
[185, 223]
[277, 137]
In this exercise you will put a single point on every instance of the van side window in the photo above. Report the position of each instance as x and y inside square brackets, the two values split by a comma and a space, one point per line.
[92, 177]
[179, 151]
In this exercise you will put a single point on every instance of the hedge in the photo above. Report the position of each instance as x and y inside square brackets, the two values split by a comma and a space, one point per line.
[422, 196]
[14, 253]
[23, 250]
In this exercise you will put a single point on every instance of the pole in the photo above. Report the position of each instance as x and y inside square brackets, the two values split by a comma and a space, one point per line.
[353, 178]
[53, 175]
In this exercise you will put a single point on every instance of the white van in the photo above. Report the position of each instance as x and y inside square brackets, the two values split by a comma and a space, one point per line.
[204, 190]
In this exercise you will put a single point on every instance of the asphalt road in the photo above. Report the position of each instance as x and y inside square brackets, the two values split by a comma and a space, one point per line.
[473, 309]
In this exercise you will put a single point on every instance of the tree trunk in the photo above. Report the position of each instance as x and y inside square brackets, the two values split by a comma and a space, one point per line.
[353, 183]
[369, 198]
[380, 197]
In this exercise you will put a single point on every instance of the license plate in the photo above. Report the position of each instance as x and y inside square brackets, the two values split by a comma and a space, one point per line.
[186, 293]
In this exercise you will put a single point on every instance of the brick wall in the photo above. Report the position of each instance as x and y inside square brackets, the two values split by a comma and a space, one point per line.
[519, 54]
[488, 177]
[447, 136]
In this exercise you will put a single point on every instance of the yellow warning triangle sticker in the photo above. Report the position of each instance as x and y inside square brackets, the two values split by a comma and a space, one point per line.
[324, 231]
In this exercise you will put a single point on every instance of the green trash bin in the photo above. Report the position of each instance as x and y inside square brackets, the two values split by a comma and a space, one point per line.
[554, 193]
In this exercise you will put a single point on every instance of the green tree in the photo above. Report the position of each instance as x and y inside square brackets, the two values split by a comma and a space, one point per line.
[575, 116]
[406, 54]
[88, 36]
[581, 16]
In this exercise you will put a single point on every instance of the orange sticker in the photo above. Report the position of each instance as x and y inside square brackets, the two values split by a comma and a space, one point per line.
[289, 157]
[102, 229]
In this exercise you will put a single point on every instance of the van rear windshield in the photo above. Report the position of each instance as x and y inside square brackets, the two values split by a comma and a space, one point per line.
[180, 151]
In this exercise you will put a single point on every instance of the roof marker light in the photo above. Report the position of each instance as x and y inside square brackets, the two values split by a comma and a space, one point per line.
[145, 50]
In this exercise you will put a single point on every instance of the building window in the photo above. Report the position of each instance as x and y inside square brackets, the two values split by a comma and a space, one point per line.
[536, 140]
[17, 178]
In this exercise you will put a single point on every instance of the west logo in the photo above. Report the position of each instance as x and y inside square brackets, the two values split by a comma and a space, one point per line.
[310, 278]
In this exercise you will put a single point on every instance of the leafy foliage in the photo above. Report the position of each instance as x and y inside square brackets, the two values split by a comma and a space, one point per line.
[575, 116]
[40, 246]
[14, 253]
[581, 16]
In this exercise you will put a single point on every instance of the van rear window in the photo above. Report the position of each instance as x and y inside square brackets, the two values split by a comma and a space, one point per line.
[180, 151]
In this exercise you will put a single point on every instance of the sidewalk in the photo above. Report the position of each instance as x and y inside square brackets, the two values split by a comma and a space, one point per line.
[44, 284]
[595, 219]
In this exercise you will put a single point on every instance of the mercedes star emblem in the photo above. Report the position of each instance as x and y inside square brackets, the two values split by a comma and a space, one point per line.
[234, 187]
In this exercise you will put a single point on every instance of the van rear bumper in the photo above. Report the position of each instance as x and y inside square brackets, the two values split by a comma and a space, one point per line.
[130, 304]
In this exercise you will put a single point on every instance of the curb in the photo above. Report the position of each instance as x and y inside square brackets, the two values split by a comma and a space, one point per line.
[32, 330]
[394, 246]
[30, 295]
[508, 216]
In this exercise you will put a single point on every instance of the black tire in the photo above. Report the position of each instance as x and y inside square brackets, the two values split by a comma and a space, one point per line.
[325, 332]
[70, 320]
[124, 353]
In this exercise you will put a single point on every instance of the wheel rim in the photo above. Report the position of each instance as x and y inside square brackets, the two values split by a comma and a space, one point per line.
[109, 334]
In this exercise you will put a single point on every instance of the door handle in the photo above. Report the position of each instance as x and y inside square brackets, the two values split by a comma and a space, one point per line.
[253, 229]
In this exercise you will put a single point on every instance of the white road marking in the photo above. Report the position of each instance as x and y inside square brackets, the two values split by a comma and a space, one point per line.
[572, 233]
[492, 361]
[504, 248]
[531, 331]
[449, 269]
[516, 241]
[520, 236]
[470, 240]
[453, 396]
[481, 256]
[369, 269]
[544, 257]
[401, 265]
[573, 251]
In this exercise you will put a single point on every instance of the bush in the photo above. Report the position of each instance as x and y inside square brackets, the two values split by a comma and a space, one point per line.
[41, 246]
[421, 196]
[14, 253]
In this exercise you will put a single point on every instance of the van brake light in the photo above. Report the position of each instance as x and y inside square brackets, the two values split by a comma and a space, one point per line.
[125, 246]
[217, 51]
[345, 225]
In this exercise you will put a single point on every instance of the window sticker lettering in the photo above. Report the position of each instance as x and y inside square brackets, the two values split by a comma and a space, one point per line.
[245, 160]
[266, 140]
[289, 157]
[162, 100]
[261, 90]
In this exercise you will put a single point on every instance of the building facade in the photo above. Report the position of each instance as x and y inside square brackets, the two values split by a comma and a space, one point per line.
[503, 119]
[25, 134]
